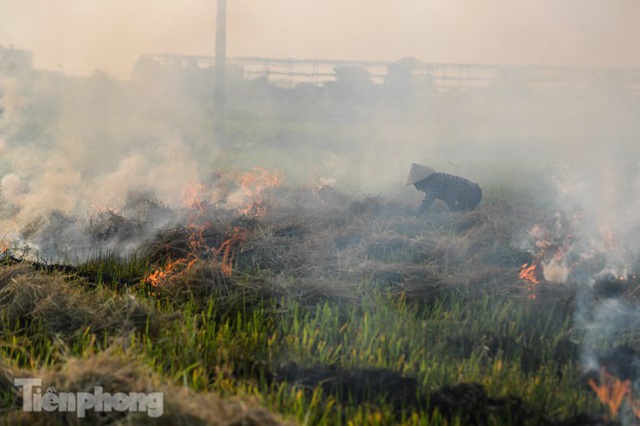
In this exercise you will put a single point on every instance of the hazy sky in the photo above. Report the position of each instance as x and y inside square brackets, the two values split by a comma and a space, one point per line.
[79, 36]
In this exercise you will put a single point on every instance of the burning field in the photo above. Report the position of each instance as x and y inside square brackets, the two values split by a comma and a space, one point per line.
[277, 304]
[284, 278]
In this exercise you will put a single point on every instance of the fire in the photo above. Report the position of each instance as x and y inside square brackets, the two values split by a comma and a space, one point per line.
[4, 248]
[528, 273]
[254, 186]
[192, 196]
[540, 238]
[226, 249]
[223, 256]
[253, 189]
[549, 247]
[613, 392]
[171, 270]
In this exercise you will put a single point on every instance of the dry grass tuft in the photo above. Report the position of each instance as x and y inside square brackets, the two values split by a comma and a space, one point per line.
[177, 242]
[116, 372]
[63, 307]
[365, 241]
[204, 279]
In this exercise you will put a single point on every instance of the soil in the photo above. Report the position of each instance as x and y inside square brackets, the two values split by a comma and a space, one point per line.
[370, 386]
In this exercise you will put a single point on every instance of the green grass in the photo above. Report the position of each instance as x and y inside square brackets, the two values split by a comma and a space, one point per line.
[230, 342]
[442, 344]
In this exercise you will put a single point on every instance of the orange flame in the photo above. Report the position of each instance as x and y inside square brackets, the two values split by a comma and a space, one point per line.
[543, 243]
[171, 270]
[528, 273]
[540, 236]
[197, 241]
[613, 392]
[192, 196]
[226, 249]
[254, 186]
[197, 246]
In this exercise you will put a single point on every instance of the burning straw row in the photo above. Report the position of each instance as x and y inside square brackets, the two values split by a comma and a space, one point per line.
[298, 305]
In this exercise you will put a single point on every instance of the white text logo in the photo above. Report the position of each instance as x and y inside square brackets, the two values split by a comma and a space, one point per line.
[34, 400]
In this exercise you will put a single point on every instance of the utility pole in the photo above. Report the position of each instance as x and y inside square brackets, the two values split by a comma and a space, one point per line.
[219, 89]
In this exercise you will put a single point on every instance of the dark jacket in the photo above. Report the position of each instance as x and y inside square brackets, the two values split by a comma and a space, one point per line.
[459, 193]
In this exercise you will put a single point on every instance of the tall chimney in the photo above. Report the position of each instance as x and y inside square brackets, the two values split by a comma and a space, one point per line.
[219, 94]
[219, 89]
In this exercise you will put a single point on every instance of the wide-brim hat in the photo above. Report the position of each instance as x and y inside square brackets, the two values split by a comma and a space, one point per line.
[418, 172]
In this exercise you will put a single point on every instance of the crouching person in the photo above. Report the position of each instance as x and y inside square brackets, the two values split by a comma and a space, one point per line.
[458, 193]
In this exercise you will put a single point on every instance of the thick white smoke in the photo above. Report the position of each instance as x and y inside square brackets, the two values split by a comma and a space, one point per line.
[601, 199]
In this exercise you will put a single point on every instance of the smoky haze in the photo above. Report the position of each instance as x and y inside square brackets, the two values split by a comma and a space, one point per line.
[103, 142]
[80, 141]
[77, 145]
[79, 37]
